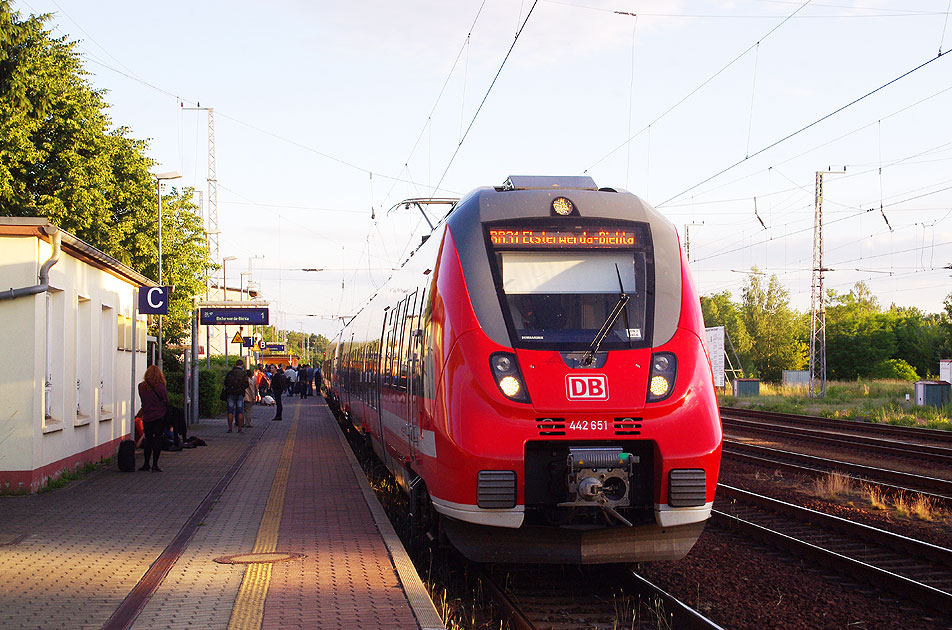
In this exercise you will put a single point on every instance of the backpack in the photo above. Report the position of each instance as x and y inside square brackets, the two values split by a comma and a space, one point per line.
[235, 382]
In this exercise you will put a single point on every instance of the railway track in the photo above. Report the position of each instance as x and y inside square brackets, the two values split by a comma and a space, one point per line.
[939, 455]
[891, 480]
[905, 568]
[856, 426]
[586, 597]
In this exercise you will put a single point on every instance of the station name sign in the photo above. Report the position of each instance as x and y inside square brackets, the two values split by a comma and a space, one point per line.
[518, 238]
[228, 315]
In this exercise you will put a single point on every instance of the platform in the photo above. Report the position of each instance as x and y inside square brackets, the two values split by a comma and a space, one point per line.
[172, 549]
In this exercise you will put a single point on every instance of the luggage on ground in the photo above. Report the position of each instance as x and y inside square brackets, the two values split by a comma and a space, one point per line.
[127, 456]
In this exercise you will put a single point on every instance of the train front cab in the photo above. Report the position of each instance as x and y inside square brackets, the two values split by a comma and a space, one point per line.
[521, 498]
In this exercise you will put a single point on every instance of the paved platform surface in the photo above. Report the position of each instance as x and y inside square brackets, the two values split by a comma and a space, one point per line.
[138, 550]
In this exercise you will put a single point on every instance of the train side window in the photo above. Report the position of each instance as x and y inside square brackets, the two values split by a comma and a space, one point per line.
[399, 370]
[407, 340]
[418, 345]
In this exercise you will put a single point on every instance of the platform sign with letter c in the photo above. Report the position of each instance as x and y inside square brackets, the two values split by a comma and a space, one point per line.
[154, 300]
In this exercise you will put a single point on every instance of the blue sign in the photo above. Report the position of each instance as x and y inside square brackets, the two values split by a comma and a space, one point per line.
[274, 347]
[224, 315]
[154, 300]
[249, 342]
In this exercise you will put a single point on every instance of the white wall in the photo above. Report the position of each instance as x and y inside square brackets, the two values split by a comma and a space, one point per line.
[84, 343]
[19, 373]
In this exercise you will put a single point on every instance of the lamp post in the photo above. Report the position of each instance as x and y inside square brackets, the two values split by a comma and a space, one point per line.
[241, 292]
[224, 282]
[158, 187]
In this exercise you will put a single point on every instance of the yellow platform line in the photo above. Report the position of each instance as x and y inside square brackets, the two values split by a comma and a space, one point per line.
[248, 611]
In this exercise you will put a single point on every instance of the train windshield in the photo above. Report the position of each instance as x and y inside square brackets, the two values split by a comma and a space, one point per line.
[561, 299]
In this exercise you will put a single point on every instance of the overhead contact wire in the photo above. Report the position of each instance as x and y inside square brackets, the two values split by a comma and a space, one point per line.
[485, 96]
[698, 88]
[805, 127]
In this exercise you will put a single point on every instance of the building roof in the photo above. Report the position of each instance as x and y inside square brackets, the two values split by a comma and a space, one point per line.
[40, 227]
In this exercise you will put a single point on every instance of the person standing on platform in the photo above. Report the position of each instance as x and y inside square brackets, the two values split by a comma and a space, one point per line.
[304, 377]
[235, 385]
[278, 386]
[155, 402]
[259, 377]
[264, 386]
[292, 376]
[251, 396]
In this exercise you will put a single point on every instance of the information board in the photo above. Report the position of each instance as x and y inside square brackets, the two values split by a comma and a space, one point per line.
[715, 348]
[556, 238]
[226, 315]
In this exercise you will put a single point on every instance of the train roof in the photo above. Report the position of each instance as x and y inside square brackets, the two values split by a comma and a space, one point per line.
[530, 197]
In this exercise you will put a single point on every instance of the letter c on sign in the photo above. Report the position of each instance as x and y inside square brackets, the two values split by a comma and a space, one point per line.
[152, 291]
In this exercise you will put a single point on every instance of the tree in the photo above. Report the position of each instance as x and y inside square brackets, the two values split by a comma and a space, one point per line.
[859, 336]
[920, 339]
[720, 310]
[772, 326]
[60, 159]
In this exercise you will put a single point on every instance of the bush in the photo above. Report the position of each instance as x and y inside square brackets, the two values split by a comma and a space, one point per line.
[210, 382]
[895, 369]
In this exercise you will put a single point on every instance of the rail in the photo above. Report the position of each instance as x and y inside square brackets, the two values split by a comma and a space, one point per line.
[886, 560]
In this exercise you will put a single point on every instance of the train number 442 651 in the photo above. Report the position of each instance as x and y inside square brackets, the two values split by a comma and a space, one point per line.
[588, 425]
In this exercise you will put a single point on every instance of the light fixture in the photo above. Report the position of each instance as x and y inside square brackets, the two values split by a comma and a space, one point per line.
[562, 206]
[664, 372]
[508, 378]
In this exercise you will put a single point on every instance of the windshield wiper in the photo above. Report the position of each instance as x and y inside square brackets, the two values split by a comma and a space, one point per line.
[589, 357]
[620, 307]
[621, 291]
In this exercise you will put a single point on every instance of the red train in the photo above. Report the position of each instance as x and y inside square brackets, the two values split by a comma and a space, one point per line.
[536, 379]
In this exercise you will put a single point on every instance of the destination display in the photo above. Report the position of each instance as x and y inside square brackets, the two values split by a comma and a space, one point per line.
[219, 316]
[517, 238]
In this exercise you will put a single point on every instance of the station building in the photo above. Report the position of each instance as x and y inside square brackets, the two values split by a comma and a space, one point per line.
[72, 355]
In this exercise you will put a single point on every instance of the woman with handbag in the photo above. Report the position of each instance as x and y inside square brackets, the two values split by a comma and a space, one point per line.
[155, 403]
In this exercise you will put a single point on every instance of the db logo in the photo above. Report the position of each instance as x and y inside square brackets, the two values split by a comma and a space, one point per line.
[588, 387]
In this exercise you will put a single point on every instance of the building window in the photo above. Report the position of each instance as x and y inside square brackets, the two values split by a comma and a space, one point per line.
[107, 362]
[84, 368]
[54, 389]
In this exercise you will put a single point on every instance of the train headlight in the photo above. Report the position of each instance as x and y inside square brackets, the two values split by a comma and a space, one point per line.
[562, 206]
[510, 386]
[508, 377]
[664, 371]
[659, 386]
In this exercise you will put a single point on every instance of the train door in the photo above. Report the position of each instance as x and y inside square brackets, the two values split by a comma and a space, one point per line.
[412, 359]
[415, 382]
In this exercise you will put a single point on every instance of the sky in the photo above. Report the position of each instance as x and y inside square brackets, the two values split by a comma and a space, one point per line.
[718, 113]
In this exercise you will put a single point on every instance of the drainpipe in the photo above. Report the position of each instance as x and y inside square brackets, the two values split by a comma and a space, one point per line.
[44, 284]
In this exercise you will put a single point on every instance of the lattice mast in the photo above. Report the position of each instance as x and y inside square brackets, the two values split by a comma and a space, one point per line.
[212, 229]
[817, 299]
[818, 296]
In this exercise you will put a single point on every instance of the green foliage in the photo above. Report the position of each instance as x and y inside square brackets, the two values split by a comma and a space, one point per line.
[863, 341]
[772, 327]
[61, 159]
[894, 369]
[719, 310]
[210, 382]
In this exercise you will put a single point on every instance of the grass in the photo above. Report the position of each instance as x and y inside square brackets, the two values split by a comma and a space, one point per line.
[834, 487]
[869, 401]
[69, 475]
[845, 489]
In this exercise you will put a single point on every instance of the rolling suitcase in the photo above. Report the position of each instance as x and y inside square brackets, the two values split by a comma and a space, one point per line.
[127, 456]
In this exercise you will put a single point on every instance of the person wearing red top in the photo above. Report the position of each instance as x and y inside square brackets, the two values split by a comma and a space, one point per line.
[155, 402]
